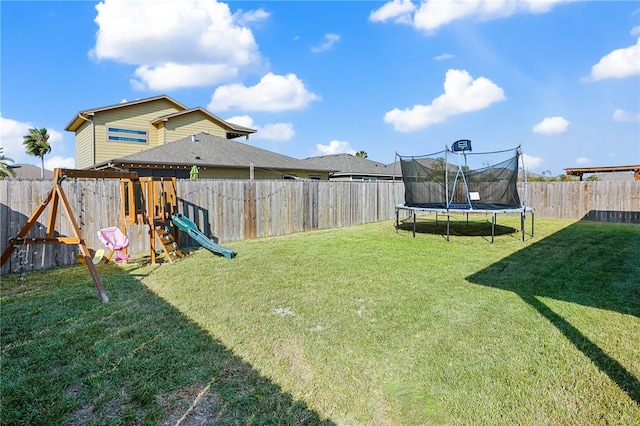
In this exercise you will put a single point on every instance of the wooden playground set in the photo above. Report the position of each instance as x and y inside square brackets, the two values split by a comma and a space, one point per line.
[150, 201]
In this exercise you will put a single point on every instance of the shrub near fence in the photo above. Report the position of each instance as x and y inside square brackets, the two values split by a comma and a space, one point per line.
[231, 210]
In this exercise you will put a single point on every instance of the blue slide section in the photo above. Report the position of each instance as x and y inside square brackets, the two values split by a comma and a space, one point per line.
[186, 225]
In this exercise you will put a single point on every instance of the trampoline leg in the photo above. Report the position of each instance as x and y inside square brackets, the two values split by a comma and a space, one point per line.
[448, 220]
[532, 224]
[414, 224]
[522, 216]
[493, 227]
[397, 220]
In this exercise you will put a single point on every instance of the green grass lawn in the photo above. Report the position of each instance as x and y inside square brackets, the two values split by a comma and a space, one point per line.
[354, 326]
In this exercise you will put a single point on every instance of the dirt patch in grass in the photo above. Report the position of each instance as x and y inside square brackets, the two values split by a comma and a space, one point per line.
[195, 405]
[82, 415]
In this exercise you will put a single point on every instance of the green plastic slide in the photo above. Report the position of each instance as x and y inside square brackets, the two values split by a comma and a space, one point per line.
[186, 225]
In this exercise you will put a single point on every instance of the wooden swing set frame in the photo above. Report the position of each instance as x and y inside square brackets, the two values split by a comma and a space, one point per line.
[144, 200]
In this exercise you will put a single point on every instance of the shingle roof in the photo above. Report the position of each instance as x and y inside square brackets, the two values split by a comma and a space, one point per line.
[347, 164]
[30, 172]
[214, 151]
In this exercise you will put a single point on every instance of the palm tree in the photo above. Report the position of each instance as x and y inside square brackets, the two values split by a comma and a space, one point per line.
[361, 154]
[37, 143]
[5, 169]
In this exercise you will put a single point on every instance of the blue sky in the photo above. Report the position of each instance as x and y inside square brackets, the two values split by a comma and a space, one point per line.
[559, 78]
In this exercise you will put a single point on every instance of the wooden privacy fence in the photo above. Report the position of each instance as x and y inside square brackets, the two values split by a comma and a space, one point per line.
[231, 210]
[615, 201]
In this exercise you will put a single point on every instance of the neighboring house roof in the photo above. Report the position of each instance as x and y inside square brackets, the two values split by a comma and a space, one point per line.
[233, 130]
[349, 165]
[396, 168]
[615, 176]
[211, 151]
[29, 172]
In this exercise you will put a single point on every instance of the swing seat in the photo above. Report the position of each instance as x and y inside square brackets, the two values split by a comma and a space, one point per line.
[113, 238]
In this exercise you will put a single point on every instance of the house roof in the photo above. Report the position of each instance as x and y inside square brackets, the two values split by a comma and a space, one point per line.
[233, 130]
[211, 151]
[29, 172]
[80, 117]
[615, 176]
[349, 165]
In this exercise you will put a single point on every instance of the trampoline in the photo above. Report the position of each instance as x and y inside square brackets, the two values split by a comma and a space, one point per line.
[485, 182]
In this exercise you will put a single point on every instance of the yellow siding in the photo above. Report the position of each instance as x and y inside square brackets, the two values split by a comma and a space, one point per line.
[138, 117]
[188, 124]
[83, 146]
[232, 173]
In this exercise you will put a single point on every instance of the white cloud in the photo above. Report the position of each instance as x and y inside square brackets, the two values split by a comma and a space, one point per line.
[551, 126]
[397, 10]
[243, 18]
[242, 120]
[330, 40]
[531, 162]
[620, 63]
[175, 44]
[272, 93]
[11, 133]
[443, 57]
[11, 137]
[432, 14]
[277, 132]
[335, 147]
[620, 115]
[51, 163]
[172, 76]
[461, 94]
[635, 30]
[582, 160]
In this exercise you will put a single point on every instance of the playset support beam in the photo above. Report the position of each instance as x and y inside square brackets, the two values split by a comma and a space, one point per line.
[54, 198]
[147, 201]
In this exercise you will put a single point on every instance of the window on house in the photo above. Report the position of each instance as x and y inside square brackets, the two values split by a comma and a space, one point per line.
[289, 177]
[117, 134]
[315, 177]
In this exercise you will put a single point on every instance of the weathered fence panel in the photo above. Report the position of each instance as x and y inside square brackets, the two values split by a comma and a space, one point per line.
[616, 201]
[231, 210]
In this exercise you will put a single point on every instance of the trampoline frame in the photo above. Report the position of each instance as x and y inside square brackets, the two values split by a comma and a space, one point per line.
[448, 212]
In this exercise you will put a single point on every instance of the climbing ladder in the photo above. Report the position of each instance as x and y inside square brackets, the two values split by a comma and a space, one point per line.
[152, 201]
[169, 244]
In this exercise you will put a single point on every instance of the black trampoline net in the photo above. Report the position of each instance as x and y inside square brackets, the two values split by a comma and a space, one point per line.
[456, 180]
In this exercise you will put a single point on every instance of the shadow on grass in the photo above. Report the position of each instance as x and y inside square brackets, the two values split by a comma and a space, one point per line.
[68, 359]
[458, 226]
[587, 264]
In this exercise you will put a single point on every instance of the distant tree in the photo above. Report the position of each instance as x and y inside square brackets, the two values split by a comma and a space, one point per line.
[5, 168]
[437, 170]
[37, 144]
[439, 164]
[362, 154]
[593, 178]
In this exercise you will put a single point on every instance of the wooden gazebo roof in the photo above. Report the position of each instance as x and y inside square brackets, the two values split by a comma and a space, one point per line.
[580, 171]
